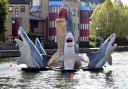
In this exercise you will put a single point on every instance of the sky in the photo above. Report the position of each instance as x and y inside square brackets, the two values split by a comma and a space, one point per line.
[125, 1]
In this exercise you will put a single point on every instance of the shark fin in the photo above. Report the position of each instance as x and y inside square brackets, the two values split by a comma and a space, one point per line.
[109, 60]
[19, 60]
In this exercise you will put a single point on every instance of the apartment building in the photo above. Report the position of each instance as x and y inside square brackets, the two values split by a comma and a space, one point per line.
[17, 16]
[40, 19]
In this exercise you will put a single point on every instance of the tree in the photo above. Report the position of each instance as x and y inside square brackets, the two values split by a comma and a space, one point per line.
[110, 18]
[3, 13]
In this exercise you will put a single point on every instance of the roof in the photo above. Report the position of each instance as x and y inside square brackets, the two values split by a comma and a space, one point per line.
[18, 1]
[99, 1]
[36, 18]
[35, 9]
[56, 3]
[84, 8]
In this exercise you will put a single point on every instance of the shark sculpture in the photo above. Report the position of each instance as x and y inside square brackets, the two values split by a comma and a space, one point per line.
[39, 47]
[70, 60]
[24, 55]
[103, 55]
[30, 55]
[63, 25]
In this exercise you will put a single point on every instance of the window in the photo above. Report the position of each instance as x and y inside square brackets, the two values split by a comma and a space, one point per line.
[10, 8]
[74, 26]
[16, 11]
[73, 12]
[52, 24]
[22, 9]
[35, 24]
[78, 13]
[84, 26]
[55, 9]
[51, 9]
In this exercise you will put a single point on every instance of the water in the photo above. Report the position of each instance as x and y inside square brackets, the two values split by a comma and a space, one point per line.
[113, 77]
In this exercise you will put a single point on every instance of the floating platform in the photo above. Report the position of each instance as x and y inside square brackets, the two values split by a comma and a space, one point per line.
[35, 69]
[66, 71]
[93, 69]
[46, 69]
[61, 70]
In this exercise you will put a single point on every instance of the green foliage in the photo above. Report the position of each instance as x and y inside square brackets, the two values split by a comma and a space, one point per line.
[102, 0]
[109, 18]
[7, 60]
[50, 45]
[83, 44]
[3, 13]
[31, 36]
[92, 44]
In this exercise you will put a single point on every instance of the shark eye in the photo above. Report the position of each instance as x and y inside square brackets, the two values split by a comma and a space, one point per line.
[108, 39]
[69, 40]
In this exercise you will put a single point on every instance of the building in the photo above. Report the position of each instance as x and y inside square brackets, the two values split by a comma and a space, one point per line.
[84, 23]
[39, 19]
[81, 17]
[54, 7]
[17, 16]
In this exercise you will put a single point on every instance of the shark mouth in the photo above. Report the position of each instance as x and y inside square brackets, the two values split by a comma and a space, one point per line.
[113, 44]
[68, 40]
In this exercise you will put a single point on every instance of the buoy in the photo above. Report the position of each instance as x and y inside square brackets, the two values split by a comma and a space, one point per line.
[71, 76]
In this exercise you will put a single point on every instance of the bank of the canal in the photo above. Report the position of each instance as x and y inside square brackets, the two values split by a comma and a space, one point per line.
[16, 53]
[11, 50]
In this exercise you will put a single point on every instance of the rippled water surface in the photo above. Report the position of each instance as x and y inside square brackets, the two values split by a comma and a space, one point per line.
[113, 77]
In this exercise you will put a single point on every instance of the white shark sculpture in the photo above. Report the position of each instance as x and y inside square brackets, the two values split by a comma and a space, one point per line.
[70, 60]
[29, 53]
[103, 55]
[24, 51]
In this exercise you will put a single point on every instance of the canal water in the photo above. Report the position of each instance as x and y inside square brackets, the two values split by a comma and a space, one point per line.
[113, 77]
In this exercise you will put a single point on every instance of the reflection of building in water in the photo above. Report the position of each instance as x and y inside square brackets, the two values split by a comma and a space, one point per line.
[41, 16]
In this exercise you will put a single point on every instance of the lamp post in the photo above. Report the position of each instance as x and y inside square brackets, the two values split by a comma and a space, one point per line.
[97, 32]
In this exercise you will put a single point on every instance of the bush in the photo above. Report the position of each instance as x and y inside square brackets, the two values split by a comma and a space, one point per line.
[50, 45]
[92, 44]
[83, 44]
[3, 13]
[121, 41]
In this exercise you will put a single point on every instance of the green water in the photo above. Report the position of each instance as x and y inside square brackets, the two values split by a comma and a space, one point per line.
[113, 77]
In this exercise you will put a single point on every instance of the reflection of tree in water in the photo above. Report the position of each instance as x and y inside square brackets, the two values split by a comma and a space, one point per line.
[94, 75]
[26, 78]
[104, 78]
[109, 78]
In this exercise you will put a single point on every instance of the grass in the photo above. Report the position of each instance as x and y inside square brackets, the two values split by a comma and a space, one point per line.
[7, 59]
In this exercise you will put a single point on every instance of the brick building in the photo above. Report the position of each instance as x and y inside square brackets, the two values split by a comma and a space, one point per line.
[40, 19]
[17, 15]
